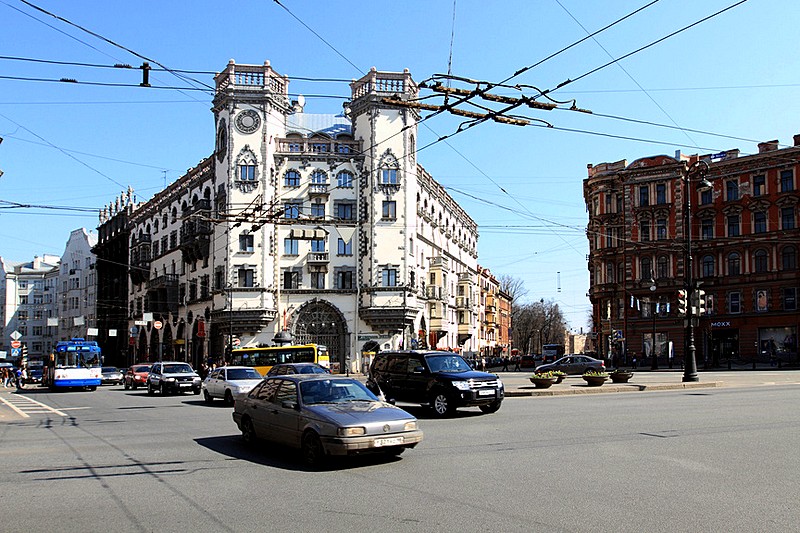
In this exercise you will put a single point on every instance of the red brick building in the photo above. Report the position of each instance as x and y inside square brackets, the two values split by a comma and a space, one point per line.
[745, 241]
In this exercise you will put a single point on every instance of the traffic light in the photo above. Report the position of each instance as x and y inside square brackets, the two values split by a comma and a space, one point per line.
[701, 302]
[682, 302]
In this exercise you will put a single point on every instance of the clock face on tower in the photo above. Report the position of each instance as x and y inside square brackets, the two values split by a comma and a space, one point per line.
[247, 121]
[222, 141]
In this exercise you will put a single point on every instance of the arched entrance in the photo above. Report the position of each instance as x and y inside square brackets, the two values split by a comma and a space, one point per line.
[319, 322]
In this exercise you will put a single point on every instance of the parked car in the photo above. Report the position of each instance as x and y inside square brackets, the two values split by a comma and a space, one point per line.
[574, 364]
[136, 376]
[527, 361]
[111, 375]
[324, 415]
[228, 382]
[443, 380]
[297, 368]
[172, 377]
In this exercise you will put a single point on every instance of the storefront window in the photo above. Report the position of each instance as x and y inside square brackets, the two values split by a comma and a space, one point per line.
[778, 342]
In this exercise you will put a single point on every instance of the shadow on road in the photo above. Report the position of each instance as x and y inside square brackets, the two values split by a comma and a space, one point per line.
[277, 456]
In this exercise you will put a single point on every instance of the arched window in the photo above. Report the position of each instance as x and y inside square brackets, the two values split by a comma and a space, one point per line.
[318, 177]
[246, 165]
[609, 272]
[344, 180]
[789, 258]
[174, 215]
[708, 266]
[734, 264]
[647, 269]
[291, 178]
[760, 261]
[663, 267]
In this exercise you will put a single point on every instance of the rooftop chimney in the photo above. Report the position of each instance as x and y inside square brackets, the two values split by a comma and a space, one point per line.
[769, 146]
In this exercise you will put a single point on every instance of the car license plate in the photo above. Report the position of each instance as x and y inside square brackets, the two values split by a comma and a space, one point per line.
[391, 441]
[485, 393]
[185, 384]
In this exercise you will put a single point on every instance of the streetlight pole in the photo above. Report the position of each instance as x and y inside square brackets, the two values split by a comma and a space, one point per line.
[699, 168]
[653, 306]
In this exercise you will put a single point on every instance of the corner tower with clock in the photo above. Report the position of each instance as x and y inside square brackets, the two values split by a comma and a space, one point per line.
[250, 107]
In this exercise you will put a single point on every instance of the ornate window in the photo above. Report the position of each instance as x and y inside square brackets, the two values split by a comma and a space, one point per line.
[759, 222]
[731, 190]
[708, 266]
[663, 267]
[733, 225]
[291, 178]
[760, 261]
[787, 180]
[647, 269]
[344, 180]
[789, 258]
[734, 264]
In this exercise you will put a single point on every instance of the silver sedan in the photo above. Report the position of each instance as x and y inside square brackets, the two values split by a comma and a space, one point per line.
[324, 415]
[574, 364]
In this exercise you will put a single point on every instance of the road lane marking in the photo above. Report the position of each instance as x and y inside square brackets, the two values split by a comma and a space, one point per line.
[23, 405]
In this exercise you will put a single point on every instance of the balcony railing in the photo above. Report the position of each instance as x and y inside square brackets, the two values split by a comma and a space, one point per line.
[318, 257]
[317, 146]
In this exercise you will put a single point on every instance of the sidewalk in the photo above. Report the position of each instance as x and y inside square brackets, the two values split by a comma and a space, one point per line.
[518, 384]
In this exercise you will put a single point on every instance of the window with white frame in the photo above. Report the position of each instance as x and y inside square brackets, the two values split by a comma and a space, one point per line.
[787, 180]
[318, 210]
[389, 210]
[345, 247]
[731, 190]
[708, 266]
[760, 261]
[318, 245]
[735, 302]
[247, 172]
[292, 209]
[760, 222]
[734, 264]
[389, 277]
[344, 180]
[388, 176]
[344, 279]
[733, 225]
[291, 178]
[246, 242]
[344, 210]
[291, 246]
[247, 277]
[787, 218]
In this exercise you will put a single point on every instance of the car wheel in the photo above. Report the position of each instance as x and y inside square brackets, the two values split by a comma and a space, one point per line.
[93, 387]
[491, 408]
[228, 398]
[127, 385]
[150, 390]
[207, 397]
[163, 390]
[196, 391]
[313, 453]
[442, 404]
[134, 386]
[248, 431]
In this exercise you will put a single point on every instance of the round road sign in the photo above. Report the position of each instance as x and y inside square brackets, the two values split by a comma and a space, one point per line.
[157, 324]
[16, 344]
[237, 342]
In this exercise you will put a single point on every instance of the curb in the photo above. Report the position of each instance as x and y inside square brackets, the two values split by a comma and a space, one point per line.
[523, 392]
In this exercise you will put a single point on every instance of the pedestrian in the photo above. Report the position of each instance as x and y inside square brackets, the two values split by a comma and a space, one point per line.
[505, 363]
[633, 359]
[483, 363]
[3, 376]
[18, 378]
[516, 363]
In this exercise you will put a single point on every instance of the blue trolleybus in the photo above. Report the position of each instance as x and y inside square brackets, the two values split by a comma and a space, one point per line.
[75, 363]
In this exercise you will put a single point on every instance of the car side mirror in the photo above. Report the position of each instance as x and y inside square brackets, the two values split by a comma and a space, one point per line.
[289, 404]
[418, 369]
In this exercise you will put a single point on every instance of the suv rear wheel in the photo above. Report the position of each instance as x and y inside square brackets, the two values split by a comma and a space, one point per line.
[150, 390]
[442, 404]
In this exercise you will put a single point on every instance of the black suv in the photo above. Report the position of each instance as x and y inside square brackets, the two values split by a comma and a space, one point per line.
[442, 379]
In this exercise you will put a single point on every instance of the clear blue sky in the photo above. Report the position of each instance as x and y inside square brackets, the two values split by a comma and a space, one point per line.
[79, 145]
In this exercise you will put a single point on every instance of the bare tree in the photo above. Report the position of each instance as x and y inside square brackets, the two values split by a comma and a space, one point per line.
[512, 286]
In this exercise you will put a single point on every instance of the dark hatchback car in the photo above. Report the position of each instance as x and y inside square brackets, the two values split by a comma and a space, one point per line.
[574, 364]
[443, 380]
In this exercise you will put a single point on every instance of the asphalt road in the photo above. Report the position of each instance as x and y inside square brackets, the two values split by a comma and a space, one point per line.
[717, 459]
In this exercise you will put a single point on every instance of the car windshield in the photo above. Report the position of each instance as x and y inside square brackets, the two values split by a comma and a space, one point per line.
[141, 369]
[447, 363]
[109, 369]
[177, 369]
[334, 391]
[243, 373]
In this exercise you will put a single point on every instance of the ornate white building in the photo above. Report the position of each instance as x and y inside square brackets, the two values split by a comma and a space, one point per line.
[321, 225]
[76, 288]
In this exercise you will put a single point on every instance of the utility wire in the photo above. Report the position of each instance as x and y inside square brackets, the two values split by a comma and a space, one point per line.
[623, 69]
